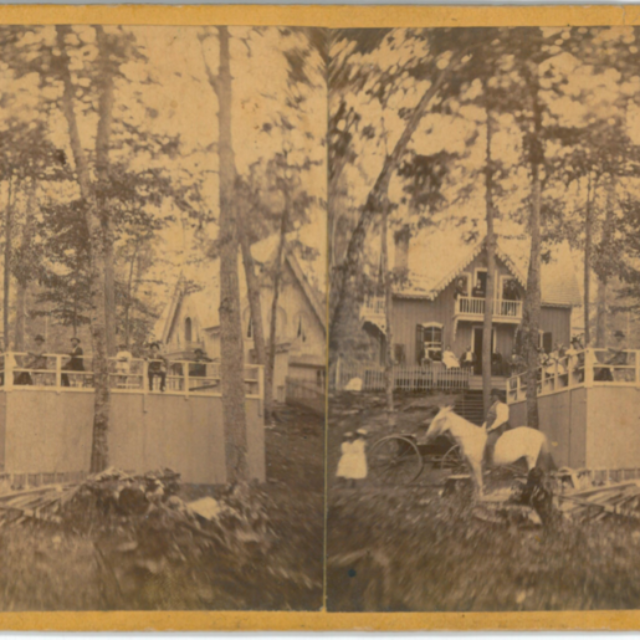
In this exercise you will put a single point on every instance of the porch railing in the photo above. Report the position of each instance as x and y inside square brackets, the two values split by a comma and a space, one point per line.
[24, 372]
[586, 368]
[469, 306]
[407, 378]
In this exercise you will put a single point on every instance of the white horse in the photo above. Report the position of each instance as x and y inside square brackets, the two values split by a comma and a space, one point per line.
[521, 442]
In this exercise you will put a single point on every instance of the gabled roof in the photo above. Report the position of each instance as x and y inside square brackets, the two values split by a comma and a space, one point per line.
[205, 291]
[436, 258]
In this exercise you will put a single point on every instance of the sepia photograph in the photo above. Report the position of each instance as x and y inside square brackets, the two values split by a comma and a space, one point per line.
[312, 316]
[162, 385]
[484, 364]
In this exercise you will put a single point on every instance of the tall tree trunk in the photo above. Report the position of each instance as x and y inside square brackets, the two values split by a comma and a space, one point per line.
[23, 280]
[603, 276]
[96, 249]
[8, 231]
[587, 264]
[388, 314]
[231, 340]
[487, 327]
[345, 309]
[127, 311]
[531, 311]
[277, 277]
[105, 108]
[255, 302]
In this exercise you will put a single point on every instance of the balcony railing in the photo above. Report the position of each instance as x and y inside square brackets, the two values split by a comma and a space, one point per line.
[587, 368]
[373, 310]
[502, 309]
[22, 371]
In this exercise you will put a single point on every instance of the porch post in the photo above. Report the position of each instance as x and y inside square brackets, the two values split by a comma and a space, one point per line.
[187, 383]
[589, 361]
[145, 382]
[9, 359]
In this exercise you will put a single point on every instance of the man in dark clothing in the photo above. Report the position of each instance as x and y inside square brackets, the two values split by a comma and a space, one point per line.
[198, 368]
[157, 366]
[76, 362]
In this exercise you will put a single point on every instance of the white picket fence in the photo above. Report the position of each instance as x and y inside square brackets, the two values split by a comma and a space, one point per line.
[433, 376]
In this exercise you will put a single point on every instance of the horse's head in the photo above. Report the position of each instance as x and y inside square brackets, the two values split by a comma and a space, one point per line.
[439, 423]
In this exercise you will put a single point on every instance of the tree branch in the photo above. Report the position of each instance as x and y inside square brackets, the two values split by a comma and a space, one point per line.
[213, 79]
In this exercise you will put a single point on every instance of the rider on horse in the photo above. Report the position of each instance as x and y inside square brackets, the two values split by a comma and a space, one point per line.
[496, 424]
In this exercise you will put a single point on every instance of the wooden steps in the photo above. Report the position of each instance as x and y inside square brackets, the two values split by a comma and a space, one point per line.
[497, 382]
[469, 406]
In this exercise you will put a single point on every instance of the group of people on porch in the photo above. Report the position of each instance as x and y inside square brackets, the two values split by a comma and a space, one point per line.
[29, 369]
[558, 359]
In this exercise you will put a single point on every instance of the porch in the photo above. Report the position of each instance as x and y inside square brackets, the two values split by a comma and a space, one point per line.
[588, 408]
[344, 375]
[46, 419]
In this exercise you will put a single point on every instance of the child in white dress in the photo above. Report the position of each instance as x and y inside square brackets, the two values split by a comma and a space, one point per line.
[353, 459]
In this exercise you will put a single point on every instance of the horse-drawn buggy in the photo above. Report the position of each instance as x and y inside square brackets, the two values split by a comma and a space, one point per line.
[400, 458]
[450, 442]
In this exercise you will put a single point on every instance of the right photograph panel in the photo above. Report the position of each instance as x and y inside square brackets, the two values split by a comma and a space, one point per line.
[484, 381]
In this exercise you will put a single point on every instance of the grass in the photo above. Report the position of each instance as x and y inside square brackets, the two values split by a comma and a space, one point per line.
[409, 549]
[149, 562]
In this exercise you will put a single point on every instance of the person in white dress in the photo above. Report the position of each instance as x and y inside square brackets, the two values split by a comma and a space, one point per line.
[449, 359]
[123, 365]
[353, 460]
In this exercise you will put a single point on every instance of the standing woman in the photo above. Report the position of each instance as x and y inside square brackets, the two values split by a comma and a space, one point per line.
[76, 362]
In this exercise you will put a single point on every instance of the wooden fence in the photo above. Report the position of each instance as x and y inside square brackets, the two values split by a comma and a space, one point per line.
[131, 375]
[434, 376]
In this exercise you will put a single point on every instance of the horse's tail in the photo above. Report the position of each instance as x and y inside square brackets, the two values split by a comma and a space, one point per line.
[545, 459]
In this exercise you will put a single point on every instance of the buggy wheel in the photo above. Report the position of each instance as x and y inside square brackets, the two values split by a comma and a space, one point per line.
[395, 460]
[454, 461]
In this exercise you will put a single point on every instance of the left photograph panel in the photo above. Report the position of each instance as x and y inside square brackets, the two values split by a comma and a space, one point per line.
[162, 384]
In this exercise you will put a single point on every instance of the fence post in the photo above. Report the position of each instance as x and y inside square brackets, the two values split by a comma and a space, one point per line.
[9, 359]
[338, 372]
[145, 388]
[261, 390]
[58, 373]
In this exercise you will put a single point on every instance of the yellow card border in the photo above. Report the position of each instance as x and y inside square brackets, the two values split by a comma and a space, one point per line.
[324, 16]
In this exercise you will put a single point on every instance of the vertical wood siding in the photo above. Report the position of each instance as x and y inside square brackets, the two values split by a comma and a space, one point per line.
[557, 320]
[409, 312]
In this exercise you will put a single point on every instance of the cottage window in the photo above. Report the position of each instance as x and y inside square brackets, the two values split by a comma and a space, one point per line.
[510, 289]
[249, 327]
[301, 333]
[480, 285]
[428, 341]
[462, 285]
[545, 341]
[187, 329]
[399, 354]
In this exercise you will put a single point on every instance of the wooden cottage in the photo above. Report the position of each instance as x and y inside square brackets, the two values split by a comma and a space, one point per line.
[192, 320]
[440, 301]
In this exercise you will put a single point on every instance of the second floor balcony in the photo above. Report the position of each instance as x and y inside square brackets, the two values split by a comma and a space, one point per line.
[470, 308]
[373, 310]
